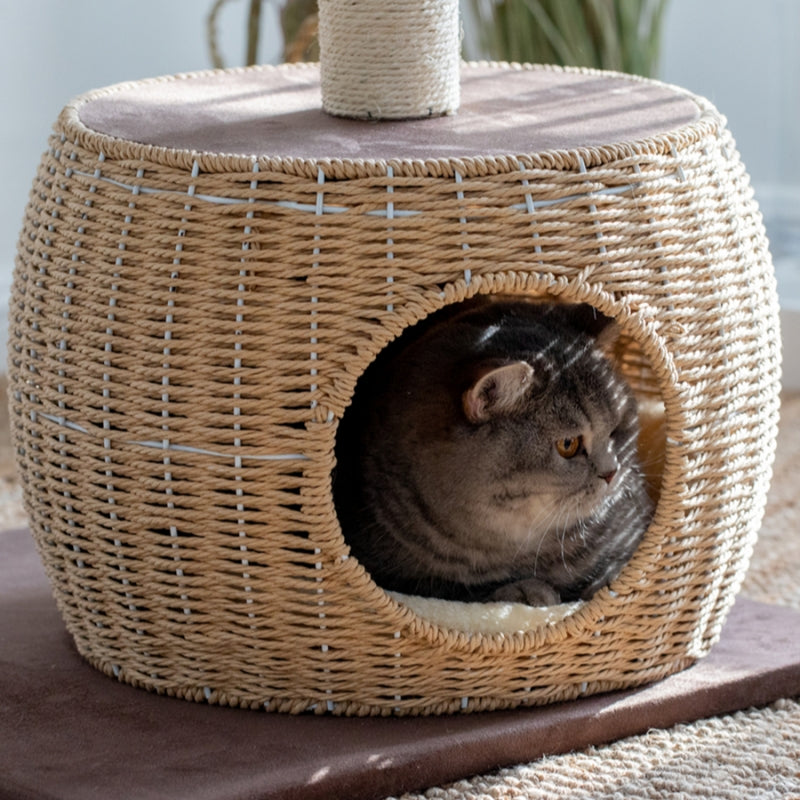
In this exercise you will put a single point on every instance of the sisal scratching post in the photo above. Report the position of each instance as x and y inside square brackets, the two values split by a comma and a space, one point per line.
[389, 59]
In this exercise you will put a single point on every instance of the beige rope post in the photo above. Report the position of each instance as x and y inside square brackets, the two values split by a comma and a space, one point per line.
[389, 59]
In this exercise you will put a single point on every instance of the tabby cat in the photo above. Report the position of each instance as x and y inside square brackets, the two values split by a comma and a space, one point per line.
[490, 454]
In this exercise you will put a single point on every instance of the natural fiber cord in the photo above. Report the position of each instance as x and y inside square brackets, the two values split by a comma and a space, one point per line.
[186, 333]
[389, 59]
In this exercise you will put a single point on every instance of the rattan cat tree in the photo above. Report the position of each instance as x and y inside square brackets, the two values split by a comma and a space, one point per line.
[209, 262]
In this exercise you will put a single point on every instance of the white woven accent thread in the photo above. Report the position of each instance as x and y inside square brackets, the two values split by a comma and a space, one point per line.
[389, 59]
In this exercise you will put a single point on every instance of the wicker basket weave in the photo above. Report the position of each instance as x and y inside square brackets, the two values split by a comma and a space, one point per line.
[187, 330]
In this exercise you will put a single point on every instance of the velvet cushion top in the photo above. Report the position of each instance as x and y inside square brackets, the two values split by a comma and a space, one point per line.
[277, 112]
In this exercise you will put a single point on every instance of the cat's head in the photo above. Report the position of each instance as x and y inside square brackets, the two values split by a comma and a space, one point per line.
[555, 426]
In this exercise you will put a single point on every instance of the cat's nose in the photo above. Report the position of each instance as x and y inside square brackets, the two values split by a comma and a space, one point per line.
[609, 476]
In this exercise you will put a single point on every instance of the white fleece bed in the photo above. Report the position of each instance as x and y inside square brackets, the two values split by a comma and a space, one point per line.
[485, 618]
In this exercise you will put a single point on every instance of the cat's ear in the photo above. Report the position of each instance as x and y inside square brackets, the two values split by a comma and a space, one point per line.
[497, 390]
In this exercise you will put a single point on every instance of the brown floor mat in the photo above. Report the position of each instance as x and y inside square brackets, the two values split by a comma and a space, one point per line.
[71, 732]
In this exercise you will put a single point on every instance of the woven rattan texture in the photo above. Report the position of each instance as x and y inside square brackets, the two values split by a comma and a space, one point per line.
[186, 332]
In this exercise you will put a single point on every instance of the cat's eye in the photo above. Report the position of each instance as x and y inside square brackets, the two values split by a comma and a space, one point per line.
[570, 446]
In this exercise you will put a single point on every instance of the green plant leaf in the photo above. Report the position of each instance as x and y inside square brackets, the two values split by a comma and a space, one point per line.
[608, 34]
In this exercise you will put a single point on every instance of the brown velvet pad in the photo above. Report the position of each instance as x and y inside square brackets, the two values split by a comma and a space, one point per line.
[277, 113]
[69, 732]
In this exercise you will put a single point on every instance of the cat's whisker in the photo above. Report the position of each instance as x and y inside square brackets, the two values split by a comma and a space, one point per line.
[551, 526]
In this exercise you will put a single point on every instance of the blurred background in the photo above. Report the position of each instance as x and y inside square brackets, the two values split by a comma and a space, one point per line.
[741, 55]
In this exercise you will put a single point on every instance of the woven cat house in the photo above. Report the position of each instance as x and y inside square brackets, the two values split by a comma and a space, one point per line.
[208, 264]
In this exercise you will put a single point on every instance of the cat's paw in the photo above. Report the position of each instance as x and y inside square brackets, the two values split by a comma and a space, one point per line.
[528, 590]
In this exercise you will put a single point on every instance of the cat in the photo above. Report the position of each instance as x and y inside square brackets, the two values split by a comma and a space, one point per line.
[490, 454]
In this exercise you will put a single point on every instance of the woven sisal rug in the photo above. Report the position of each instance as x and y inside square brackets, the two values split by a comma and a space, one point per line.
[749, 754]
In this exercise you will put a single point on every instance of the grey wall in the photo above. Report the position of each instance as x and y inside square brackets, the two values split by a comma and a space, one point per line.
[744, 57]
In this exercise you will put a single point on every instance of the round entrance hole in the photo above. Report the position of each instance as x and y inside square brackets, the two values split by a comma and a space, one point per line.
[506, 449]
